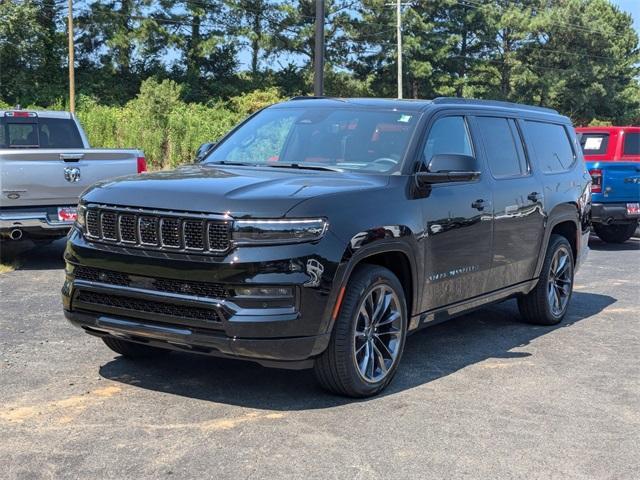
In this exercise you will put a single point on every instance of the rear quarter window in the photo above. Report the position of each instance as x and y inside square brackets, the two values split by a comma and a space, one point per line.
[551, 145]
[631, 144]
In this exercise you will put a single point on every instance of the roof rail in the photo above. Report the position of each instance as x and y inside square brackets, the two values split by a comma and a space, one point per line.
[316, 97]
[494, 103]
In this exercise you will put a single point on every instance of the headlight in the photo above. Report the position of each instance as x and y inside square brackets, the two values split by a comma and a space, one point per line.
[82, 215]
[278, 231]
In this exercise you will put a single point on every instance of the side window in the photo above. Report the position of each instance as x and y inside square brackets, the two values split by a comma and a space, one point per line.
[448, 135]
[503, 146]
[631, 144]
[552, 146]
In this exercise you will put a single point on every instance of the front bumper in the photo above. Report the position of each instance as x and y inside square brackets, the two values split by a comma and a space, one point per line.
[291, 353]
[130, 301]
[611, 213]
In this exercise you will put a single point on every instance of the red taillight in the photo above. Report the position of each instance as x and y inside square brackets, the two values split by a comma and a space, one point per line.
[142, 164]
[20, 114]
[596, 180]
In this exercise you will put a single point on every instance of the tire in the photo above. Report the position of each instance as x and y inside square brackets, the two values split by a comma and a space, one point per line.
[539, 305]
[132, 349]
[616, 233]
[356, 364]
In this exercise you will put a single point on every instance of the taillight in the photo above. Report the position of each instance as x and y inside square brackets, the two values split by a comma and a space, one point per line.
[142, 164]
[20, 114]
[596, 180]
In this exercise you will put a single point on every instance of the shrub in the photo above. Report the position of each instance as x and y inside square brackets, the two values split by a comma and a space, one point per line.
[168, 130]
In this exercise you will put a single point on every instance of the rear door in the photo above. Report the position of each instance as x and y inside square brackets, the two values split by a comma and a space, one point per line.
[518, 201]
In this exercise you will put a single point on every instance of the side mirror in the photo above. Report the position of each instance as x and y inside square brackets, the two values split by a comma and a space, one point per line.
[449, 167]
[203, 150]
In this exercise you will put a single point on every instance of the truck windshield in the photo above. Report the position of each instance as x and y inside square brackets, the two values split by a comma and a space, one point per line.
[340, 138]
[39, 133]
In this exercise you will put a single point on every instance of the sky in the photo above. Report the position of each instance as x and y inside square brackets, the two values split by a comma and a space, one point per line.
[632, 7]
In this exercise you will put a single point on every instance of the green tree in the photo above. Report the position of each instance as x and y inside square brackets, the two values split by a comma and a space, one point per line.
[31, 52]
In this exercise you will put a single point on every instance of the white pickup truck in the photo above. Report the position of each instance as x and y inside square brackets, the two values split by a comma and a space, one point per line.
[45, 163]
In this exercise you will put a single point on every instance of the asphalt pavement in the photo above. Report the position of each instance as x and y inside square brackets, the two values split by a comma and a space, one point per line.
[480, 397]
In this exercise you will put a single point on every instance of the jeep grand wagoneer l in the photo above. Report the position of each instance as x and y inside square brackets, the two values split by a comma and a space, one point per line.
[320, 232]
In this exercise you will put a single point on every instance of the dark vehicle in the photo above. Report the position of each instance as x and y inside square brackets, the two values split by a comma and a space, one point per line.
[320, 232]
[612, 155]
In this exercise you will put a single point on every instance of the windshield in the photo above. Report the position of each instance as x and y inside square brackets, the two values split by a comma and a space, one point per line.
[335, 138]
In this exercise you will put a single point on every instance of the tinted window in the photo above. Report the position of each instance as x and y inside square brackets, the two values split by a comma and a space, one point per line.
[59, 133]
[632, 144]
[448, 135]
[501, 140]
[347, 138]
[594, 143]
[45, 133]
[22, 134]
[552, 146]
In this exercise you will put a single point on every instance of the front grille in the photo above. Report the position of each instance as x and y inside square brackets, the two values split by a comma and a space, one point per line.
[168, 285]
[108, 224]
[158, 231]
[128, 228]
[102, 276]
[93, 223]
[131, 304]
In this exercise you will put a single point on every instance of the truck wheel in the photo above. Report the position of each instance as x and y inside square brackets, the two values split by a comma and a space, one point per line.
[132, 349]
[547, 303]
[368, 336]
[616, 233]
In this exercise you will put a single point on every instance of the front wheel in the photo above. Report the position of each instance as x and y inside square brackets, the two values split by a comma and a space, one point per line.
[368, 336]
[547, 303]
[616, 233]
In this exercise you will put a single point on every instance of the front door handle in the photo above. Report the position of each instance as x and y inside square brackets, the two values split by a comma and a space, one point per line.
[535, 196]
[478, 204]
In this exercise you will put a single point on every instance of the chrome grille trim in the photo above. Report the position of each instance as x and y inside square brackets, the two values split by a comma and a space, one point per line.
[159, 230]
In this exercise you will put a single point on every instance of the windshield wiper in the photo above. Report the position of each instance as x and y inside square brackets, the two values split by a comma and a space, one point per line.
[226, 162]
[303, 166]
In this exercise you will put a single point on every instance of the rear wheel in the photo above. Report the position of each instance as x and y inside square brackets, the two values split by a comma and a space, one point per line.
[132, 349]
[616, 233]
[368, 336]
[547, 303]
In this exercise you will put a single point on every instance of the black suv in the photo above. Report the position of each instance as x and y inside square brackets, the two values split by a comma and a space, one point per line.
[320, 232]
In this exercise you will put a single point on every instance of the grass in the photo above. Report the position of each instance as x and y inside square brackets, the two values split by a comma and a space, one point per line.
[8, 267]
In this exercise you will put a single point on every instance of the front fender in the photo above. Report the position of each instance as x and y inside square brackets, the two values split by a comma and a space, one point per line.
[365, 244]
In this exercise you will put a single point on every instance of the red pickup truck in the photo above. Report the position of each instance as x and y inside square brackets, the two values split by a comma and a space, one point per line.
[612, 155]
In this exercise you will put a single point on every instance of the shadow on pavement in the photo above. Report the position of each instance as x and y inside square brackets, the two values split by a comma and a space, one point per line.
[430, 354]
[30, 256]
[596, 244]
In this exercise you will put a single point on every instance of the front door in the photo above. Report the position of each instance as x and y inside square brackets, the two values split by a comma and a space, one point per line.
[458, 221]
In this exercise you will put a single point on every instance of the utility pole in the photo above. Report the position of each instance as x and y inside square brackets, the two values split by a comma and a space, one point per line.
[399, 38]
[318, 67]
[72, 82]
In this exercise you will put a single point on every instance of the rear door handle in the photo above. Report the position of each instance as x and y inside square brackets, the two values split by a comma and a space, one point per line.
[535, 196]
[478, 204]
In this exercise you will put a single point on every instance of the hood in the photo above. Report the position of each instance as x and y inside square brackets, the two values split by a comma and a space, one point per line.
[239, 191]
